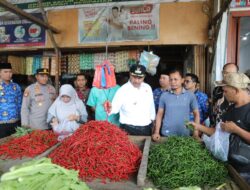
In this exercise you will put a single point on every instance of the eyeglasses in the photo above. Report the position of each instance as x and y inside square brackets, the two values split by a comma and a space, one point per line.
[187, 81]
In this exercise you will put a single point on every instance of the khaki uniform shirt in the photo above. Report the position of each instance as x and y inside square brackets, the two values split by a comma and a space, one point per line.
[36, 101]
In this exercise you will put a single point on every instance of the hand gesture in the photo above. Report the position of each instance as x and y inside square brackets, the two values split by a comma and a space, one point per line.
[73, 117]
[194, 125]
[156, 137]
[229, 126]
[54, 122]
[107, 106]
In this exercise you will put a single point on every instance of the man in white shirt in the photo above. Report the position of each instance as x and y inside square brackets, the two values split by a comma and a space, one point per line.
[134, 101]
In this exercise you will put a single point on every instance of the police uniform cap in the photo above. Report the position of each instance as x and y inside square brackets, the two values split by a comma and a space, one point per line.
[138, 70]
[42, 71]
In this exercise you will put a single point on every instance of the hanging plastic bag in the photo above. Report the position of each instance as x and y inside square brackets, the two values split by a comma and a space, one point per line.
[150, 61]
[65, 129]
[104, 75]
[218, 143]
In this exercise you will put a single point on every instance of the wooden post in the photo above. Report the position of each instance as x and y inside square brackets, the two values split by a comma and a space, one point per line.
[56, 48]
[199, 65]
[220, 13]
[142, 173]
[58, 65]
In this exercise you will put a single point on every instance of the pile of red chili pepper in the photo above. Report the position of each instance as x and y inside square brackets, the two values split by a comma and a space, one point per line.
[98, 150]
[29, 145]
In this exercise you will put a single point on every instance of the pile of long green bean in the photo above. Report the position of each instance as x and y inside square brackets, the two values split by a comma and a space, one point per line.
[182, 161]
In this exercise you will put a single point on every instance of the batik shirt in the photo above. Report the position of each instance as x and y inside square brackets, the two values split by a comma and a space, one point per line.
[157, 94]
[10, 102]
[202, 100]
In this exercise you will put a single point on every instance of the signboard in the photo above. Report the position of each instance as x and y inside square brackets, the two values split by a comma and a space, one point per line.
[30, 5]
[121, 22]
[50, 4]
[21, 32]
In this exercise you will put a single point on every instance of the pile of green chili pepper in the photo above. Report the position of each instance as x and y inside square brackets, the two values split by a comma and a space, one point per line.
[182, 161]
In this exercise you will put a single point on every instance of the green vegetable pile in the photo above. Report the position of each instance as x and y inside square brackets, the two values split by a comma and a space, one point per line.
[21, 131]
[182, 161]
[41, 175]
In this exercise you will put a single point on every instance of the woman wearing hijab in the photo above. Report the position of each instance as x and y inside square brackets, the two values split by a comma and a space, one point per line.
[67, 112]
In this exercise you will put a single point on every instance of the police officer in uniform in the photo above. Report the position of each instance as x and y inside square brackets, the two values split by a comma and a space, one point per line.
[37, 99]
[10, 101]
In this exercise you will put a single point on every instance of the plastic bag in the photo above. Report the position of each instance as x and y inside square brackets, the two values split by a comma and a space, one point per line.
[65, 129]
[218, 143]
[150, 61]
[104, 75]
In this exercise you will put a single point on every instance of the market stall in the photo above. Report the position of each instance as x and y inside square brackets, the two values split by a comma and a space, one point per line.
[106, 158]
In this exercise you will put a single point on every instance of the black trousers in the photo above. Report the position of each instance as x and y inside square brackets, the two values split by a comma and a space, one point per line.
[8, 129]
[137, 130]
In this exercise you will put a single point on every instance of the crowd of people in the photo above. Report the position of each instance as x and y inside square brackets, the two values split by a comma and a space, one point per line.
[133, 107]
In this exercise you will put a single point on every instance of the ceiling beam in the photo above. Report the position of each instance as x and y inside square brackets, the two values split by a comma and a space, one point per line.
[12, 8]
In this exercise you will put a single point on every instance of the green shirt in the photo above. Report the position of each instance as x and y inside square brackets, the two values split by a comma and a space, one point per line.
[96, 99]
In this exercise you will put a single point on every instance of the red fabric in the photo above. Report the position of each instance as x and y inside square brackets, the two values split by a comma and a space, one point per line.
[97, 76]
[104, 75]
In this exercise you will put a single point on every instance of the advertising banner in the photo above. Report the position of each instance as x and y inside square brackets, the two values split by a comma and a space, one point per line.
[20, 32]
[120, 22]
[59, 4]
